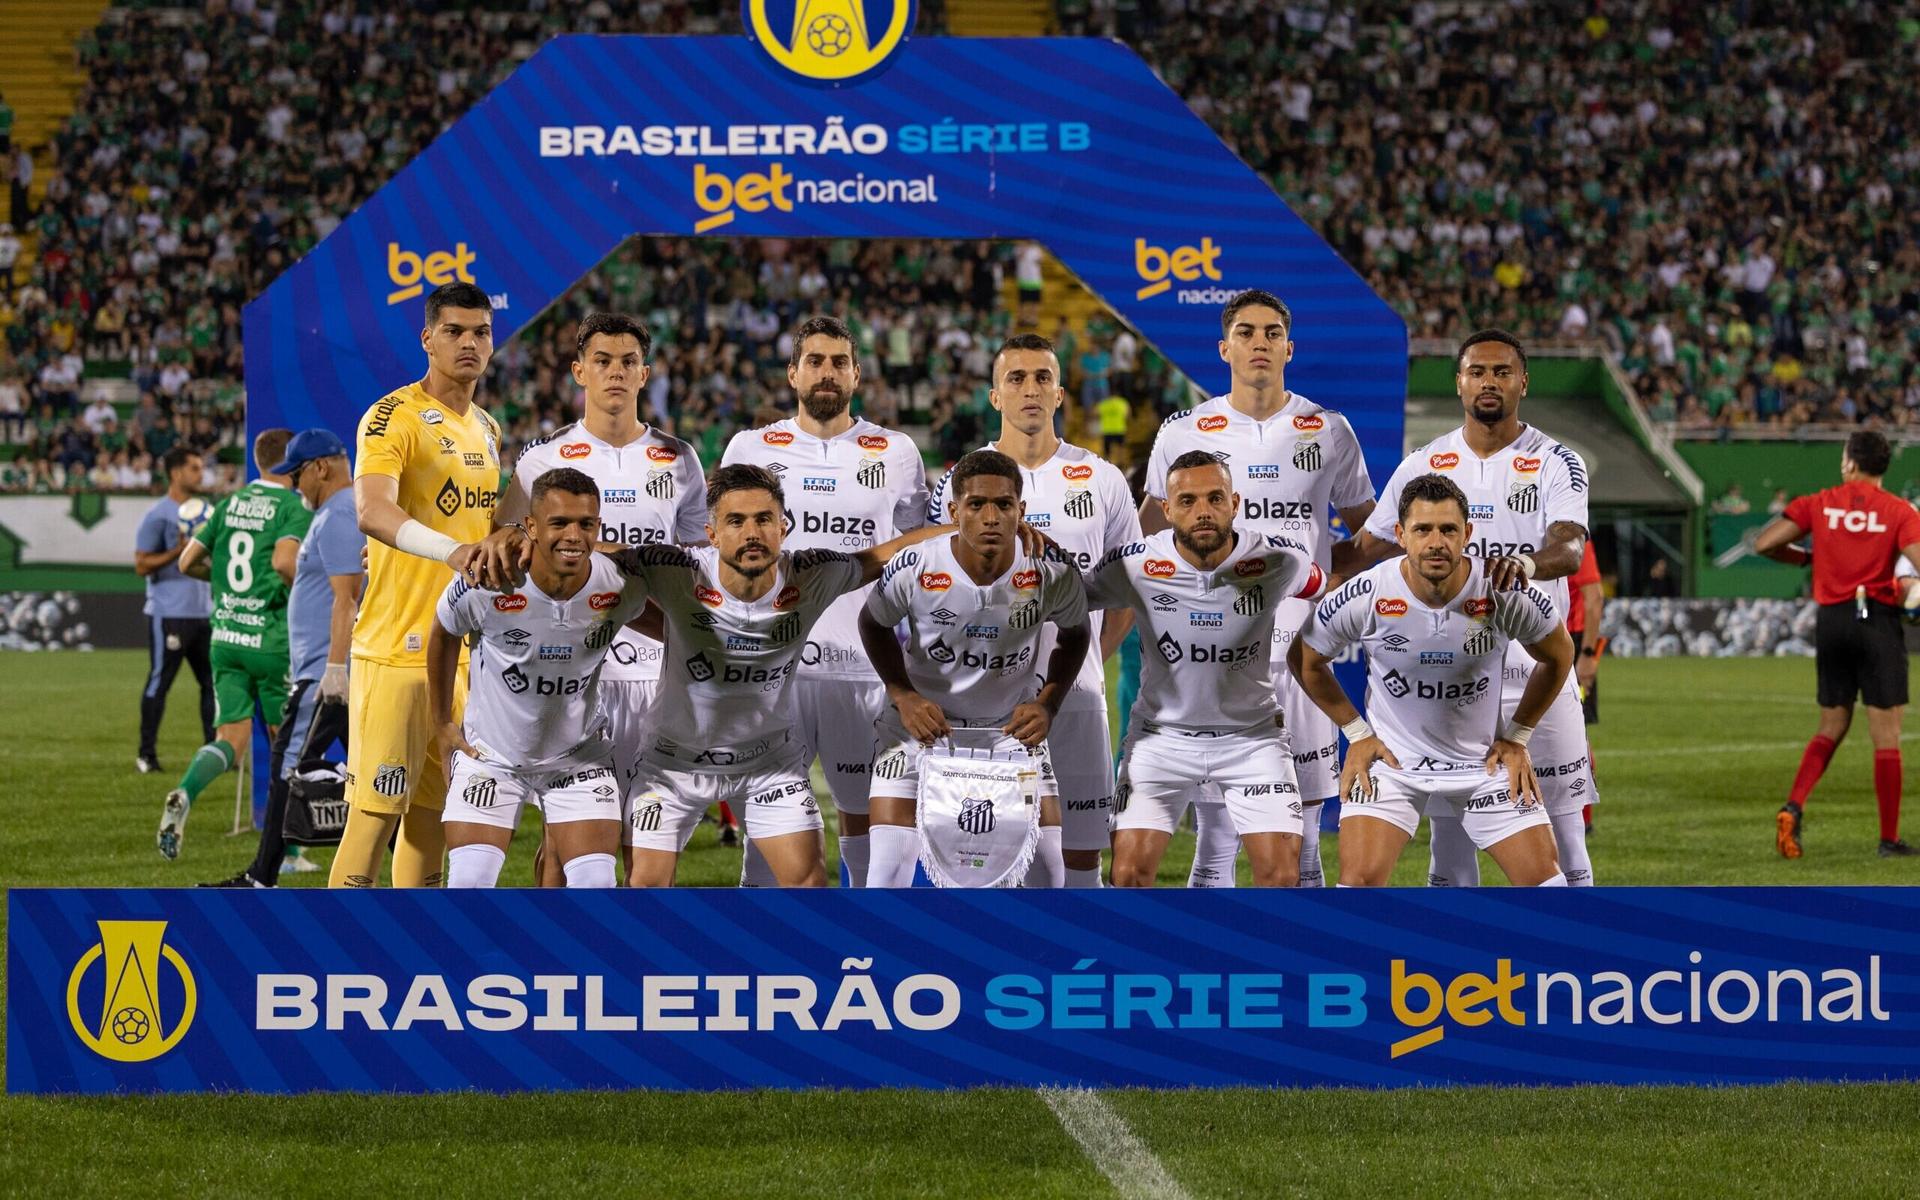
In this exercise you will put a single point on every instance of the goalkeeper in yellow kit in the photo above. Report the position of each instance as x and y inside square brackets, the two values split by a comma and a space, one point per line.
[426, 479]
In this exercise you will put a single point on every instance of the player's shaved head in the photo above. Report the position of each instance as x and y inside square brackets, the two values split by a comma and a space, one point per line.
[270, 449]
[1031, 343]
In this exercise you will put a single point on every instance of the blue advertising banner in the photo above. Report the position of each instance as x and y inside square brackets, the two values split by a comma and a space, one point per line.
[187, 990]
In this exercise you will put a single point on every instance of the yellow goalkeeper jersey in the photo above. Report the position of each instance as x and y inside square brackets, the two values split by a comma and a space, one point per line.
[448, 466]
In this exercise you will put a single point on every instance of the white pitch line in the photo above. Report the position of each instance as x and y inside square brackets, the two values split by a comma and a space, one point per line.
[1720, 748]
[1103, 1136]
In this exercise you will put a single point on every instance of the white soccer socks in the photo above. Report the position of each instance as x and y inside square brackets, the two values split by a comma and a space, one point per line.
[754, 871]
[1088, 878]
[1047, 870]
[1216, 844]
[1570, 837]
[589, 871]
[476, 866]
[893, 850]
[1455, 861]
[1311, 873]
[1559, 878]
[855, 854]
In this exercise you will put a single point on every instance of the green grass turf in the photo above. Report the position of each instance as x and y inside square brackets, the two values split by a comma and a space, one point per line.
[1694, 757]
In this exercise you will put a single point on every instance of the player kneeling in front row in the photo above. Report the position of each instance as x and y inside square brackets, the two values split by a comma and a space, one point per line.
[975, 610]
[534, 730]
[1203, 598]
[1435, 632]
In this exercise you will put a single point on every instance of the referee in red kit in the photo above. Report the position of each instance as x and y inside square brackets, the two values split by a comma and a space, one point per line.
[1859, 531]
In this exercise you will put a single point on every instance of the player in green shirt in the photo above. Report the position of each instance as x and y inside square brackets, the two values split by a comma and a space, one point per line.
[247, 550]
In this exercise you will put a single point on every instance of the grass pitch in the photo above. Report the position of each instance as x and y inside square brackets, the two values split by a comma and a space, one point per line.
[1694, 756]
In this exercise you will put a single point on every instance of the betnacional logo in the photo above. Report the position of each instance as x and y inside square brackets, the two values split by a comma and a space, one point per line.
[1077, 472]
[872, 443]
[1525, 466]
[1311, 423]
[1390, 608]
[144, 1011]
[777, 437]
[1159, 568]
[935, 581]
[829, 41]
[662, 454]
[710, 597]
[1211, 424]
[511, 602]
[1026, 581]
[411, 273]
[788, 597]
[602, 601]
[573, 450]
[1159, 269]
[1443, 462]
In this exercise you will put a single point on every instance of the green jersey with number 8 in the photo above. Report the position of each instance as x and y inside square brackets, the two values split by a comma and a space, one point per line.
[249, 597]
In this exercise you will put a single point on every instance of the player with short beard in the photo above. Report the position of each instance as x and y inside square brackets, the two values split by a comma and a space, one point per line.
[1082, 502]
[1436, 632]
[850, 485]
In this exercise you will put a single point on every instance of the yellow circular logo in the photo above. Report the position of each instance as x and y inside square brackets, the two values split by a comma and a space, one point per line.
[829, 41]
[131, 1025]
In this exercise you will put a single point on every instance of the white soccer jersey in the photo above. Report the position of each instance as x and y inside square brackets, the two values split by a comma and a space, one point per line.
[533, 687]
[651, 491]
[1204, 636]
[1082, 502]
[1433, 675]
[846, 493]
[1512, 496]
[723, 702]
[1288, 469]
[974, 649]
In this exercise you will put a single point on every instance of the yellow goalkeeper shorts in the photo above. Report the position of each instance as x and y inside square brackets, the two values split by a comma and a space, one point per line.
[392, 760]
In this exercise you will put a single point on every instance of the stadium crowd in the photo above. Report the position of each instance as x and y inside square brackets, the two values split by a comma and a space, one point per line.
[1567, 171]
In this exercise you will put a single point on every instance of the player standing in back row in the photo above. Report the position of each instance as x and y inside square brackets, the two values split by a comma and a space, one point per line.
[849, 486]
[1527, 502]
[1290, 460]
[1082, 502]
[1860, 531]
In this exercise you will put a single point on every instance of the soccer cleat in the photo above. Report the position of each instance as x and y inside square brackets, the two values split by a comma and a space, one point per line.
[1786, 831]
[296, 863]
[242, 880]
[148, 764]
[1897, 849]
[173, 824]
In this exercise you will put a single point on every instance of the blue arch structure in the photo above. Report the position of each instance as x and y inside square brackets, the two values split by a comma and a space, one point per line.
[1071, 142]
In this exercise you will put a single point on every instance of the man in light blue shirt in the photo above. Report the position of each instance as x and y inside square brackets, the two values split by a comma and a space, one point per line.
[179, 608]
[327, 580]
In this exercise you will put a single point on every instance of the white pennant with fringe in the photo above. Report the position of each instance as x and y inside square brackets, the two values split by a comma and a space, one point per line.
[979, 817]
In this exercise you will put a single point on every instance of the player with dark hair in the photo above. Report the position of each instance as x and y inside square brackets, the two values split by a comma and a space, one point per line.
[1527, 501]
[1860, 531]
[427, 480]
[975, 611]
[1435, 632]
[850, 486]
[176, 608]
[1292, 462]
[246, 550]
[1082, 503]
[534, 730]
[652, 492]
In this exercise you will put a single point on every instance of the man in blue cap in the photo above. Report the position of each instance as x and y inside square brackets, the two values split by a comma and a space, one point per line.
[327, 581]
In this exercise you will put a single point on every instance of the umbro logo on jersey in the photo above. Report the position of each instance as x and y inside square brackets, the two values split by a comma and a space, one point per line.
[1158, 568]
[1481, 642]
[660, 485]
[516, 637]
[390, 779]
[1163, 602]
[602, 601]
[1076, 472]
[1396, 642]
[1170, 650]
[1522, 465]
[873, 474]
[662, 454]
[700, 667]
[511, 602]
[1310, 423]
[1524, 498]
[573, 450]
[1253, 602]
[516, 680]
[1211, 424]
[944, 615]
[777, 437]
[1443, 462]
[705, 620]
[1079, 505]
[940, 652]
[481, 792]
[446, 445]
[1306, 456]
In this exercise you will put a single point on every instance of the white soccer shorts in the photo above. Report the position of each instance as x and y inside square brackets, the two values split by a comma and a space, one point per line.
[628, 704]
[665, 802]
[487, 794]
[896, 756]
[1082, 755]
[1315, 741]
[1559, 744]
[1483, 803]
[835, 720]
[1162, 771]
